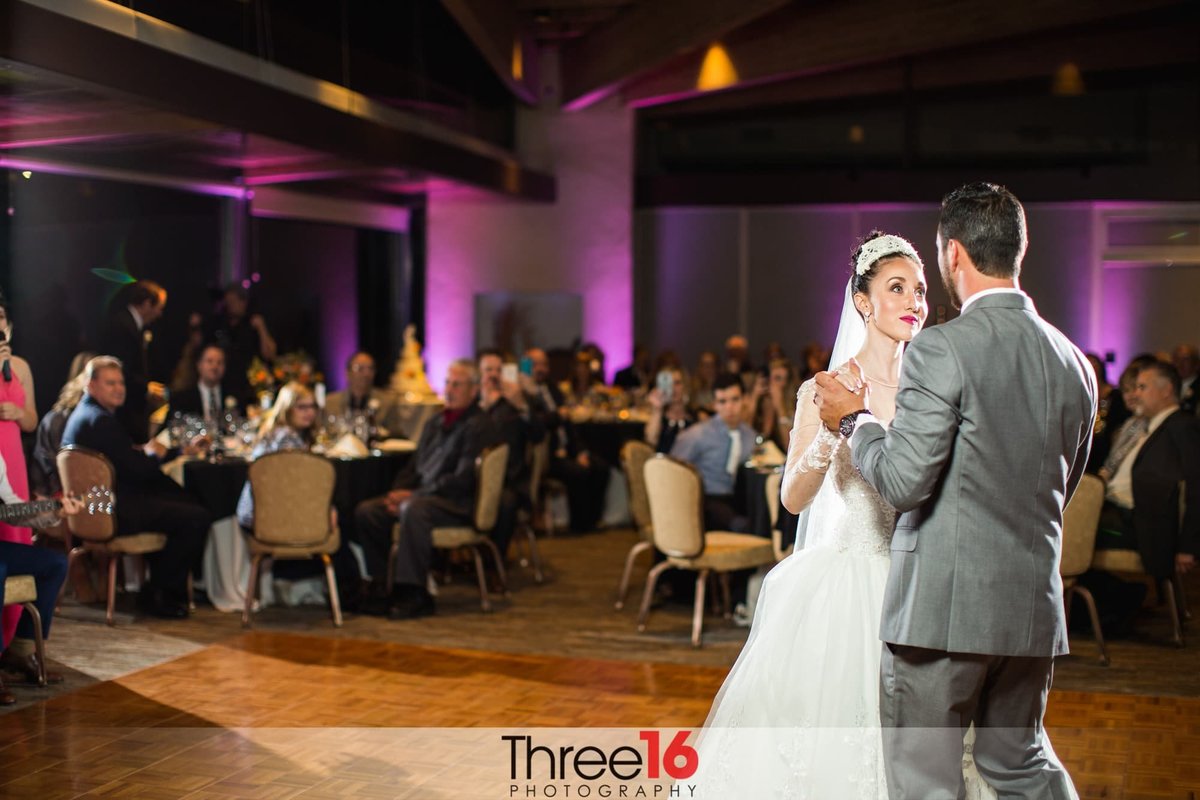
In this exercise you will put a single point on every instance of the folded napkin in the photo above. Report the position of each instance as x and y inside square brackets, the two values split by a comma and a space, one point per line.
[396, 446]
[349, 446]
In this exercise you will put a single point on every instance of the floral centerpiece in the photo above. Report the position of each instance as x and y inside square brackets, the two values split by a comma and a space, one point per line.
[296, 366]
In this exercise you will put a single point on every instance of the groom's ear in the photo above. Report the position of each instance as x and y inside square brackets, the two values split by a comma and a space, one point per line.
[953, 255]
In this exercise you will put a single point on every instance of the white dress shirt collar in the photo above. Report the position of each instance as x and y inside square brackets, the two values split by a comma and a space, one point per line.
[998, 290]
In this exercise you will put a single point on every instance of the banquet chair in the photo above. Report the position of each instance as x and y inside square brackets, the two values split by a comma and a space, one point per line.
[1170, 588]
[773, 487]
[81, 469]
[292, 494]
[1080, 519]
[547, 487]
[676, 498]
[489, 485]
[634, 455]
[21, 590]
[539, 462]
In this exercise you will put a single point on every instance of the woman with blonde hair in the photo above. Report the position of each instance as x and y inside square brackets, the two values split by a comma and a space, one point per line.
[43, 471]
[290, 424]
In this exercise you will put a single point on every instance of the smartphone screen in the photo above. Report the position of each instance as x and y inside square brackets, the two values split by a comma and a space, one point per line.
[508, 373]
[526, 366]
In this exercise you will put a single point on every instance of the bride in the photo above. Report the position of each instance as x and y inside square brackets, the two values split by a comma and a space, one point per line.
[798, 715]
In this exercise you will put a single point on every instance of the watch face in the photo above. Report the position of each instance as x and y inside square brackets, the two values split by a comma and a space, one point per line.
[846, 425]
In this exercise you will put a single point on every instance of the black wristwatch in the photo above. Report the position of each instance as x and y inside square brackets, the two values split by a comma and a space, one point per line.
[846, 424]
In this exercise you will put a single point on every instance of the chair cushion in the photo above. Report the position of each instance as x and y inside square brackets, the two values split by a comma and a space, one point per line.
[455, 537]
[1118, 561]
[293, 551]
[135, 544]
[19, 589]
[725, 551]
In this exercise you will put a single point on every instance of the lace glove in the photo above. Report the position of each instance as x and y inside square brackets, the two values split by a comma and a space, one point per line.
[819, 453]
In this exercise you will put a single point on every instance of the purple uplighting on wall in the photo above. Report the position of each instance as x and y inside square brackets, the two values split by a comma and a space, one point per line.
[580, 244]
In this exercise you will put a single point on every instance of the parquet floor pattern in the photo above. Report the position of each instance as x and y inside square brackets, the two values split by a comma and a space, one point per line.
[200, 709]
[279, 715]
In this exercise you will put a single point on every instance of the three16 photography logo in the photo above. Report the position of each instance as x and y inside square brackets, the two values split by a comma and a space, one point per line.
[621, 764]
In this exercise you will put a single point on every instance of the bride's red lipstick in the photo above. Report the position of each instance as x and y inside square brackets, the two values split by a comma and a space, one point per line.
[910, 319]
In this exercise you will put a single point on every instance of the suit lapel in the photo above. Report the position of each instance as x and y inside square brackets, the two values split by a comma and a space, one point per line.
[1152, 439]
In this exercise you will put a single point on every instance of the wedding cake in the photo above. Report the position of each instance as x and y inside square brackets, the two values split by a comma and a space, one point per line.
[409, 380]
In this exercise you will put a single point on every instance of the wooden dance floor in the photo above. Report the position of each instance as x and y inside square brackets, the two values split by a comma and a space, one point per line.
[187, 728]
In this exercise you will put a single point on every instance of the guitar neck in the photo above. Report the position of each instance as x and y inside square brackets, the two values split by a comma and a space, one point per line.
[18, 511]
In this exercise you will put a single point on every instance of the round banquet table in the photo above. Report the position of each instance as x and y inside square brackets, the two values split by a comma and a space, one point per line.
[752, 485]
[226, 559]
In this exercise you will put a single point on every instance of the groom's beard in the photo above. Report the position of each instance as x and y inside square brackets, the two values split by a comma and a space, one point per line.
[955, 300]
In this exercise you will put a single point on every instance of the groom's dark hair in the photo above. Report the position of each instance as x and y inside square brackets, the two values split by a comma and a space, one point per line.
[989, 222]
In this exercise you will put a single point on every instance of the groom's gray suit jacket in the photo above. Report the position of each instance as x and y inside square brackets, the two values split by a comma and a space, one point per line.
[993, 425]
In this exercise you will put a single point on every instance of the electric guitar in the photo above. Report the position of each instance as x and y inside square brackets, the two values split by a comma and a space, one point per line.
[97, 500]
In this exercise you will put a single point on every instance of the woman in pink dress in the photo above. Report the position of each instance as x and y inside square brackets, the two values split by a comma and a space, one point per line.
[18, 412]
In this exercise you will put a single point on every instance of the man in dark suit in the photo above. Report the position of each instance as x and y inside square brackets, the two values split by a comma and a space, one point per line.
[584, 474]
[518, 427]
[147, 499]
[637, 375]
[1141, 509]
[125, 337]
[436, 489]
[210, 397]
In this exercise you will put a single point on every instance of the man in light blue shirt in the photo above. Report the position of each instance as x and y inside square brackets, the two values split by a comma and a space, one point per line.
[717, 448]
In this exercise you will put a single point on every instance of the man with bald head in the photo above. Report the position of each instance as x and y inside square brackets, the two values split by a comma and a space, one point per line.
[362, 396]
[436, 489]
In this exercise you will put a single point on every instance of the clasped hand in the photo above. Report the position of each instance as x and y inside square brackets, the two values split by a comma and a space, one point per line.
[840, 393]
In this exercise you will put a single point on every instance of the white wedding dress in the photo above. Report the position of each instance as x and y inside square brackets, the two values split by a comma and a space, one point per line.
[798, 714]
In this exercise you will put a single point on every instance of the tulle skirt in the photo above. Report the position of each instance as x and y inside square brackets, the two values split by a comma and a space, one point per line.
[798, 715]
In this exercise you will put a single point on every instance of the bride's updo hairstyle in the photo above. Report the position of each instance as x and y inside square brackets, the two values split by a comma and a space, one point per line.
[861, 276]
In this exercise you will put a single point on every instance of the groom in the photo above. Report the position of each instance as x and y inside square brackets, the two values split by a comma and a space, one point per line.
[992, 430]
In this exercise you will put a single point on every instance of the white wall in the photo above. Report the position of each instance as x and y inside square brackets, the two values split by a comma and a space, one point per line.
[582, 243]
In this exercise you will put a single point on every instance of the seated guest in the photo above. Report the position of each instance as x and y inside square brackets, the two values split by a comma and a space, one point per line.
[717, 448]
[584, 475]
[436, 489]
[703, 378]
[210, 398]
[581, 380]
[362, 396]
[1131, 430]
[149, 500]
[19, 661]
[637, 375]
[508, 407]
[737, 360]
[289, 425]
[669, 412]
[43, 469]
[1141, 510]
[771, 404]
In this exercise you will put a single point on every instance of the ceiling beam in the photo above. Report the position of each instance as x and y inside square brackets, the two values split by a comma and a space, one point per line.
[808, 39]
[91, 127]
[645, 36]
[494, 27]
[1112, 48]
[120, 53]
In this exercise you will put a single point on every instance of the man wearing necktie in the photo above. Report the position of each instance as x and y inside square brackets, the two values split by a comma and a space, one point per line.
[717, 448]
[207, 399]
